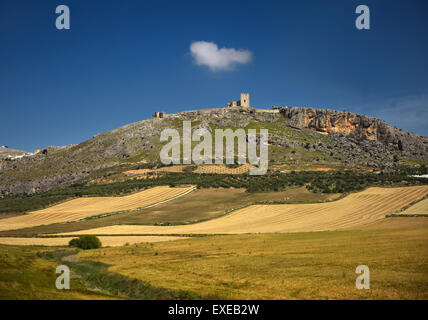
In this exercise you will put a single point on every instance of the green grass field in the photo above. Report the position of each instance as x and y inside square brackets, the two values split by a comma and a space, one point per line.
[23, 275]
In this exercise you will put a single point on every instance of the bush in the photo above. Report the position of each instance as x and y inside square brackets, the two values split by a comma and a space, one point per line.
[85, 242]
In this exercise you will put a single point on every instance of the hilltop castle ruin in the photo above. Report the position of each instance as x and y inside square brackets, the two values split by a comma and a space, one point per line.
[159, 114]
[241, 105]
[244, 102]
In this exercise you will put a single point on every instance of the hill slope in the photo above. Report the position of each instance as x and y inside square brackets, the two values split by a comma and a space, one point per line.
[7, 153]
[298, 137]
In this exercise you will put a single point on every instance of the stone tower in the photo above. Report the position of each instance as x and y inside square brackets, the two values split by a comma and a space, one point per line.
[245, 100]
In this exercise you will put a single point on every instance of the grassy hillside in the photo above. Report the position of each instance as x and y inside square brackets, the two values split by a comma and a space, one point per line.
[138, 144]
[29, 273]
[24, 275]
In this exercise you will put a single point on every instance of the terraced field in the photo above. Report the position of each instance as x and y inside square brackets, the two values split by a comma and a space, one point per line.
[223, 169]
[206, 168]
[106, 241]
[85, 207]
[355, 210]
[178, 168]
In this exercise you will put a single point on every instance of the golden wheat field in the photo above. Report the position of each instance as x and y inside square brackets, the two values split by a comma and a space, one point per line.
[206, 168]
[223, 169]
[106, 241]
[177, 168]
[420, 207]
[355, 210]
[80, 208]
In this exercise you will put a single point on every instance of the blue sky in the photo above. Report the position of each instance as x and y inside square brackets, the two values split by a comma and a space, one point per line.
[123, 60]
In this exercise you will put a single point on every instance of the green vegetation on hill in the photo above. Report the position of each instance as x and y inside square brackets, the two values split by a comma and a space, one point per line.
[325, 182]
[420, 170]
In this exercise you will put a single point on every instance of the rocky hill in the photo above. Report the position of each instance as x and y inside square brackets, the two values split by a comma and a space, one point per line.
[357, 126]
[8, 153]
[298, 137]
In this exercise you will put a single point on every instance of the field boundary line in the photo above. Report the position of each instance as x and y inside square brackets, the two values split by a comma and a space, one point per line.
[397, 213]
[184, 235]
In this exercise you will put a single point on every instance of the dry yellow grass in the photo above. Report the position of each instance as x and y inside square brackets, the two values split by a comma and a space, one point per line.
[113, 241]
[222, 169]
[313, 265]
[85, 207]
[355, 210]
[178, 168]
[420, 207]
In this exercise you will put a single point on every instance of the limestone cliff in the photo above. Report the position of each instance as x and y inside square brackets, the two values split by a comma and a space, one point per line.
[356, 125]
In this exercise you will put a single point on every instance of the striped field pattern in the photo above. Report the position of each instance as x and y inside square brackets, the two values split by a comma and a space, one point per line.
[418, 208]
[80, 208]
[356, 209]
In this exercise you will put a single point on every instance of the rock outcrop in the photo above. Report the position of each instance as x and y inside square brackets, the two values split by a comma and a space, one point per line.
[357, 126]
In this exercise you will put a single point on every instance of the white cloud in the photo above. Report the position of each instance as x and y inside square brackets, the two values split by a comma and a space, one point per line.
[208, 54]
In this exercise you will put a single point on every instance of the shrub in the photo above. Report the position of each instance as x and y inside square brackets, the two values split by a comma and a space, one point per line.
[74, 242]
[85, 242]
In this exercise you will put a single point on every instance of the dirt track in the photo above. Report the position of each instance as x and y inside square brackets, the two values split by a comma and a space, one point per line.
[355, 210]
[85, 207]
